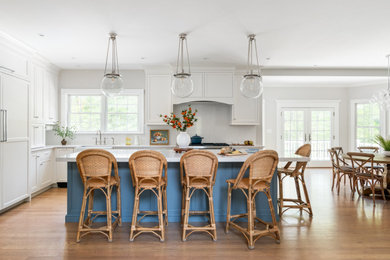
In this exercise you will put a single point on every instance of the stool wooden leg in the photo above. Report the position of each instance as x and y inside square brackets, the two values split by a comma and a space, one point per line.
[250, 220]
[334, 176]
[118, 204]
[186, 213]
[229, 204]
[165, 205]
[90, 208]
[135, 213]
[160, 213]
[280, 194]
[274, 223]
[306, 195]
[212, 216]
[109, 213]
[382, 190]
[298, 189]
[183, 199]
[82, 212]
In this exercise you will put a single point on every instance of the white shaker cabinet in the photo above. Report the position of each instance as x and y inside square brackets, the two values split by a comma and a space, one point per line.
[50, 98]
[13, 139]
[158, 98]
[42, 170]
[13, 62]
[37, 90]
[245, 111]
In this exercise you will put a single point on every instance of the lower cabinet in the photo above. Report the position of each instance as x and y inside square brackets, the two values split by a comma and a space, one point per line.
[42, 170]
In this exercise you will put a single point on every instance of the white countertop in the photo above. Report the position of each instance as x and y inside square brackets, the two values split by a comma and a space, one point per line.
[172, 156]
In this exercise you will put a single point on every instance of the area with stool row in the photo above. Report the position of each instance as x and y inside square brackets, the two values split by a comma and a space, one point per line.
[198, 171]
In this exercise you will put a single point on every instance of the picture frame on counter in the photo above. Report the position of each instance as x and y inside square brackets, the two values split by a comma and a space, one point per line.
[159, 137]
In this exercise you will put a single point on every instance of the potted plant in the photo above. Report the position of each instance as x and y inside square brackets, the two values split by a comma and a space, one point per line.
[64, 132]
[186, 121]
[384, 143]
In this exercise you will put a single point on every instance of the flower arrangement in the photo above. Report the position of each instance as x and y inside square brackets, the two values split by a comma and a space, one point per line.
[188, 119]
[64, 132]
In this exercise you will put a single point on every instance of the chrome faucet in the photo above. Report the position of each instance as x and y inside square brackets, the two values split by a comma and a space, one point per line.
[99, 133]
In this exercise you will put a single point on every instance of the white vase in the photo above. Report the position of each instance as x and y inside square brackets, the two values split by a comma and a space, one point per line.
[183, 139]
[386, 153]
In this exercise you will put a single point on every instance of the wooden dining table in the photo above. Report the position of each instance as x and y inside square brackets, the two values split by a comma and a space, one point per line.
[378, 159]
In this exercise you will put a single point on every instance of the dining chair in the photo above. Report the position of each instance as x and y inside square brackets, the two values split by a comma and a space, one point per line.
[198, 169]
[147, 170]
[262, 166]
[298, 174]
[95, 167]
[374, 150]
[365, 174]
[340, 169]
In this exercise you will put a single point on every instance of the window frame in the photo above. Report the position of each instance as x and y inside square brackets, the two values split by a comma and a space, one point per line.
[353, 123]
[65, 93]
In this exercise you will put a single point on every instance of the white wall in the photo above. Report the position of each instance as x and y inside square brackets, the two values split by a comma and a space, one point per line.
[213, 124]
[270, 96]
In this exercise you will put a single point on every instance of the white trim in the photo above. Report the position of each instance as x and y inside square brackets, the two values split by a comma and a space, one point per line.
[352, 123]
[65, 101]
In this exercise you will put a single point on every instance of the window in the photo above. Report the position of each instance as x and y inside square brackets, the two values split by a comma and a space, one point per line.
[89, 111]
[367, 122]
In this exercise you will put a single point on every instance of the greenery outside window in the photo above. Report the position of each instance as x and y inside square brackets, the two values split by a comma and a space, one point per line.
[367, 123]
[89, 111]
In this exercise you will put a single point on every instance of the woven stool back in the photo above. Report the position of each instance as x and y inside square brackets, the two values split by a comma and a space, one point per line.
[147, 165]
[198, 165]
[261, 166]
[96, 163]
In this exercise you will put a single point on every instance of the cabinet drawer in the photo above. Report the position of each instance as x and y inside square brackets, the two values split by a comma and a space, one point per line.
[13, 63]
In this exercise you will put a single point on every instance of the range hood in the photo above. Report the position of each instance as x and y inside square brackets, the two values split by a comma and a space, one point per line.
[178, 101]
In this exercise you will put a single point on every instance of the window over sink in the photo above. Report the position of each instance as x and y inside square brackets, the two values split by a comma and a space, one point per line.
[88, 110]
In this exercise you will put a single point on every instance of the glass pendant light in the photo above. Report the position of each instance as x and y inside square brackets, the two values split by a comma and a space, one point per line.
[112, 83]
[252, 83]
[182, 85]
[382, 97]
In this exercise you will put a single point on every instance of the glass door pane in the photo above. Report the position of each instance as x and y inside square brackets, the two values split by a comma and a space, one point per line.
[321, 134]
[293, 130]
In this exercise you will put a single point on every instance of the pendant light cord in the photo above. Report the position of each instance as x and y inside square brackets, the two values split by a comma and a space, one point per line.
[108, 50]
[114, 56]
[252, 40]
[180, 55]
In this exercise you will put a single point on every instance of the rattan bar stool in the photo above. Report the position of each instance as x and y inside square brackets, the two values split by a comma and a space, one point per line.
[198, 170]
[95, 167]
[298, 174]
[262, 167]
[147, 169]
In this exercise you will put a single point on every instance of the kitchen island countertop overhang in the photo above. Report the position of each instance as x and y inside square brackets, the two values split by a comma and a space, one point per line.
[228, 168]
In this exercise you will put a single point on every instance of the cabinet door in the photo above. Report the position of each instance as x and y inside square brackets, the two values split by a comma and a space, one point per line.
[14, 98]
[13, 62]
[245, 111]
[14, 170]
[62, 167]
[53, 102]
[45, 169]
[38, 136]
[33, 173]
[218, 85]
[37, 95]
[158, 98]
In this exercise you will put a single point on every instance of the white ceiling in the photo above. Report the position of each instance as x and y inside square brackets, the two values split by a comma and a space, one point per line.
[300, 33]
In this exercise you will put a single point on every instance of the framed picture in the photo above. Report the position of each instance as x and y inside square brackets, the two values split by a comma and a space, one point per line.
[159, 137]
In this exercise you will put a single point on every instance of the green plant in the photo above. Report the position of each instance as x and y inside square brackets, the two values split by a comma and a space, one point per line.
[63, 131]
[383, 142]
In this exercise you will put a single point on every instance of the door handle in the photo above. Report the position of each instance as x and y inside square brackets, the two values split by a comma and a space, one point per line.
[2, 125]
[305, 138]
[6, 125]
[309, 137]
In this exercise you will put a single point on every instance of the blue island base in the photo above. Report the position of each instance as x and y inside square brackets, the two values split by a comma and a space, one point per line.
[226, 170]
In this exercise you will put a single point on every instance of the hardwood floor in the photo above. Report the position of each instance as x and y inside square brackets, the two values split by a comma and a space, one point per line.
[340, 229]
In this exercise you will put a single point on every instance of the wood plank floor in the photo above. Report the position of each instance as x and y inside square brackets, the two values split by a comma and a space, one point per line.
[340, 229]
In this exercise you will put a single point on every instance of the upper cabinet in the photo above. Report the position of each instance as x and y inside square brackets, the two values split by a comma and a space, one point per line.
[158, 97]
[13, 63]
[245, 111]
[44, 95]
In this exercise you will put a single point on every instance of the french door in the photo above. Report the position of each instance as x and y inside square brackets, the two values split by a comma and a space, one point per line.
[308, 125]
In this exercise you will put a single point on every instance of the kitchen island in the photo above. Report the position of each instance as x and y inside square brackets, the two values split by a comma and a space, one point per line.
[228, 168]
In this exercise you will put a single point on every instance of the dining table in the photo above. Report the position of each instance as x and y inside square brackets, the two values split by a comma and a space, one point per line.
[378, 159]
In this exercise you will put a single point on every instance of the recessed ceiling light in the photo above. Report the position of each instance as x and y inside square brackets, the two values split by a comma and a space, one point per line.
[268, 58]
[41, 34]
[73, 58]
[205, 58]
[142, 58]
